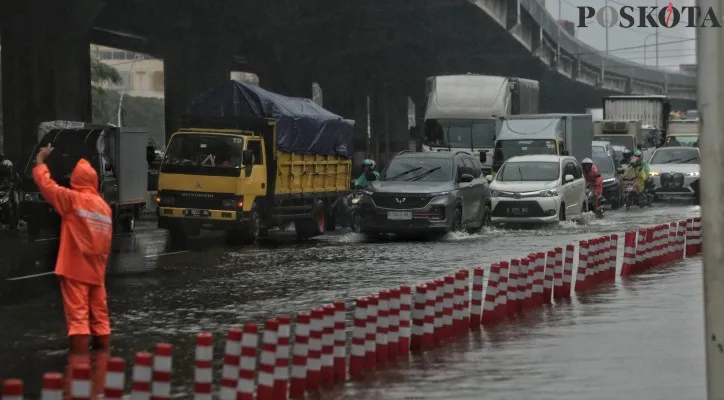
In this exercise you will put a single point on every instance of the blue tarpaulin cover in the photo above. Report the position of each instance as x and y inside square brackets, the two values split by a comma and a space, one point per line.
[302, 125]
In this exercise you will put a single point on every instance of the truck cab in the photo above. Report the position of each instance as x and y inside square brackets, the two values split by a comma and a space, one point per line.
[626, 136]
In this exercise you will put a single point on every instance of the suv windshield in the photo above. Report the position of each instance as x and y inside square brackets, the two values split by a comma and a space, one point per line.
[529, 171]
[422, 169]
[460, 133]
[204, 154]
[678, 155]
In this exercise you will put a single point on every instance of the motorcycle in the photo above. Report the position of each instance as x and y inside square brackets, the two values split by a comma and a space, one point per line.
[8, 212]
[355, 210]
[631, 194]
[591, 200]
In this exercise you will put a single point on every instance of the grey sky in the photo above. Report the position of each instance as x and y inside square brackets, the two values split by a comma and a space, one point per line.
[670, 55]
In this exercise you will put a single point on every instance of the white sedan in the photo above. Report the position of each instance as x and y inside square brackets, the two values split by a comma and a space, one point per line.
[675, 171]
[538, 189]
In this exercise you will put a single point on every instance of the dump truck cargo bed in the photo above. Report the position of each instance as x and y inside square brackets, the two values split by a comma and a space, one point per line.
[311, 173]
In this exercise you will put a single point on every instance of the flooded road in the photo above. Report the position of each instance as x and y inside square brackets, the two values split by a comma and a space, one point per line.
[642, 339]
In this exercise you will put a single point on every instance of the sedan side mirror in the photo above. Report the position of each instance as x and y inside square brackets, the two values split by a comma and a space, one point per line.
[466, 178]
[247, 157]
[568, 178]
[489, 178]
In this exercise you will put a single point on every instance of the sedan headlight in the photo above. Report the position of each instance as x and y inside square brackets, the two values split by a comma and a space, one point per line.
[654, 173]
[494, 193]
[548, 193]
[436, 194]
[692, 174]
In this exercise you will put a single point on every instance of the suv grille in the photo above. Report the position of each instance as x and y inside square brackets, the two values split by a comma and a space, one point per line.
[400, 201]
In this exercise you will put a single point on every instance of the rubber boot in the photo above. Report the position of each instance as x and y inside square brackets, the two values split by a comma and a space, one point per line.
[78, 344]
[102, 343]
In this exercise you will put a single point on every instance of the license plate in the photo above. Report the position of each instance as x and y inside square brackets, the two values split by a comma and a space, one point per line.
[399, 215]
[518, 210]
[193, 212]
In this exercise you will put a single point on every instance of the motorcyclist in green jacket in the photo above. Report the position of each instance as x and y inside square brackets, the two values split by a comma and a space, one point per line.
[368, 174]
[644, 165]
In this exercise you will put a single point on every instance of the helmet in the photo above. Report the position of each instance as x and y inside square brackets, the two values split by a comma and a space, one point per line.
[6, 165]
[587, 161]
[369, 163]
[635, 161]
[637, 153]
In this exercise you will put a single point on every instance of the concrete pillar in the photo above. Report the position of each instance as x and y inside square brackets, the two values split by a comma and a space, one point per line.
[45, 69]
[192, 65]
[390, 132]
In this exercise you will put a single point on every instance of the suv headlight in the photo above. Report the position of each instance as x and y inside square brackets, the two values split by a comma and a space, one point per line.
[654, 173]
[692, 174]
[494, 193]
[548, 193]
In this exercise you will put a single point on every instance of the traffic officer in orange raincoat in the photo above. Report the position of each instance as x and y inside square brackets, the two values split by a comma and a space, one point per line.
[85, 242]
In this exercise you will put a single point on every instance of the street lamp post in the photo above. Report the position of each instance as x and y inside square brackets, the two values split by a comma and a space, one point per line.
[123, 90]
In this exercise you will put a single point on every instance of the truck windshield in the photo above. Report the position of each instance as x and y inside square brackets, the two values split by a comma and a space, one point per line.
[526, 171]
[459, 133]
[203, 154]
[505, 149]
[618, 140]
[422, 169]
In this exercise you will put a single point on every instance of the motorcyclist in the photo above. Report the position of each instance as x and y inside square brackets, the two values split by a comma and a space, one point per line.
[368, 174]
[594, 179]
[635, 171]
[10, 181]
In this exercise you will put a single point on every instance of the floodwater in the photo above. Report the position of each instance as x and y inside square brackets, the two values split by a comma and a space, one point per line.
[639, 339]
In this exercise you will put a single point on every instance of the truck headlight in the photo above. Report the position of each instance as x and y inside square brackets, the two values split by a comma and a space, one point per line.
[165, 200]
[227, 203]
[548, 193]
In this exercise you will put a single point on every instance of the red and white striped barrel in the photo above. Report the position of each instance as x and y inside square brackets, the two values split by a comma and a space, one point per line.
[418, 318]
[267, 361]
[501, 303]
[428, 334]
[629, 254]
[314, 351]
[594, 251]
[439, 334]
[230, 369]
[448, 305]
[327, 367]
[657, 248]
[53, 386]
[491, 294]
[141, 384]
[568, 271]
[513, 282]
[405, 319]
[550, 276]
[671, 243]
[529, 264]
[649, 247]
[161, 376]
[281, 368]
[247, 362]
[601, 253]
[13, 389]
[689, 237]
[613, 257]
[476, 302]
[115, 379]
[393, 337]
[340, 341]
[581, 283]
[465, 277]
[539, 279]
[640, 263]
[298, 381]
[680, 239]
[557, 272]
[371, 339]
[203, 366]
[697, 235]
[459, 294]
[383, 327]
[80, 386]
[359, 338]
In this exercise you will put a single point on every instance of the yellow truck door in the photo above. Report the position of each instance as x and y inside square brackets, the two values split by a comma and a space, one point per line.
[253, 180]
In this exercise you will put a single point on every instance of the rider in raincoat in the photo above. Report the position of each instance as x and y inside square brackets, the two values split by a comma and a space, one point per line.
[636, 172]
[368, 167]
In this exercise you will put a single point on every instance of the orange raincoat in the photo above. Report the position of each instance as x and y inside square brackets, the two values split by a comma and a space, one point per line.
[85, 242]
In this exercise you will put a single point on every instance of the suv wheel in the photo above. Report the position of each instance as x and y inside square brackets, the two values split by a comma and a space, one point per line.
[457, 221]
[485, 220]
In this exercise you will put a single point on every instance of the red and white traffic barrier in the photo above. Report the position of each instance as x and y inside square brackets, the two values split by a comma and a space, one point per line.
[448, 306]
[689, 237]
[557, 256]
[267, 362]
[359, 339]
[383, 327]
[53, 386]
[629, 254]
[592, 269]
[230, 369]
[680, 239]
[247, 362]
[298, 381]
[161, 376]
[13, 389]
[550, 259]
[491, 295]
[514, 293]
[439, 322]
[581, 273]
[405, 319]
[640, 263]
[527, 275]
[613, 257]
[142, 372]
[568, 271]
[458, 316]
[203, 367]
[428, 336]
[393, 338]
[281, 368]
[697, 235]
[465, 277]
[418, 318]
[476, 300]
[326, 372]
[501, 305]
[539, 279]
[340, 341]
[115, 379]
[371, 338]
[314, 351]
[80, 386]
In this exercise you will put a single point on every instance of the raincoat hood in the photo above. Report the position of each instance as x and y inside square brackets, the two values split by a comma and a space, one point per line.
[84, 178]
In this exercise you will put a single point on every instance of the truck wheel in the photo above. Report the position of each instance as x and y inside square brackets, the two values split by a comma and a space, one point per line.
[128, 224]
[308, 228]
[253, 230]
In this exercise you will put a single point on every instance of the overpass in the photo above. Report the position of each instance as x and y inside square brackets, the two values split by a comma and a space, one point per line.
[381, 49]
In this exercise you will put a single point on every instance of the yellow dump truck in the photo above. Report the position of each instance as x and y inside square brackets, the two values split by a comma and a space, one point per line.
[231, 176]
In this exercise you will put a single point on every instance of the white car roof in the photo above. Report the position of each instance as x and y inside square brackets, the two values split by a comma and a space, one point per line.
[537, 158]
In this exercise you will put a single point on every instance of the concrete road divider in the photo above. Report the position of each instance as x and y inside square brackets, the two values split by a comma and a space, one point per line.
[386, 326]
